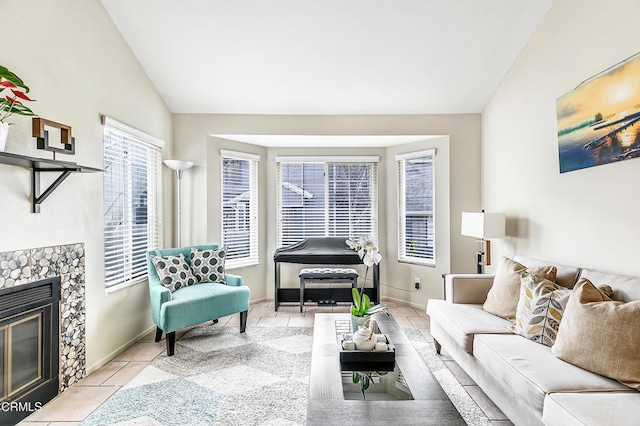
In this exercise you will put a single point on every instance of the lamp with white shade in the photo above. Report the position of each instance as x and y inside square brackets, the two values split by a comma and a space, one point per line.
[179, 166]
[484, 226]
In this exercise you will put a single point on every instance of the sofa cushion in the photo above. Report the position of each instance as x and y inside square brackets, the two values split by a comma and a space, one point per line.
[592, 409]
[503, 297]
[625, 288]
[601, 335]
[531, 371]
[463, 321]
[174, 271]
[566, 276]
[208, 265]
[194, 304]
[540, 309]
[467, 288]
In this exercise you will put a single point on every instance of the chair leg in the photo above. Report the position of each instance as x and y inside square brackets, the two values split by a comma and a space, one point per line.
[171, 343]
[243, 321]
[301, 294]
[158, 334]
[437, 346]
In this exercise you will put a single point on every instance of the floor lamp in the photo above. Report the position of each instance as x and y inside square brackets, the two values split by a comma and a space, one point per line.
[179, 166]
[483, 226]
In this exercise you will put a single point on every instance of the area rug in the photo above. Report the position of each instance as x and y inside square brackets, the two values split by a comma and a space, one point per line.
[221, 377]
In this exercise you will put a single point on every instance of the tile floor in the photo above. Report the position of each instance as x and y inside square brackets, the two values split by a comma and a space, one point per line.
[79, 401]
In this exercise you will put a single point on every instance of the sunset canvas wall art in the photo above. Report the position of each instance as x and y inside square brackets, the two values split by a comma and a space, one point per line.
[599, 121]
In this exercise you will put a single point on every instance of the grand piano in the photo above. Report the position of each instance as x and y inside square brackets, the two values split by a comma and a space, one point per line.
[327, 251]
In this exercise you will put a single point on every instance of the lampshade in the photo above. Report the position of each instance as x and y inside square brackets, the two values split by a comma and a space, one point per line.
[178, 164]
[483, 225]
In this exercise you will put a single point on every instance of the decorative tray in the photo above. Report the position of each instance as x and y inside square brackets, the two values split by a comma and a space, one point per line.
[356, 360]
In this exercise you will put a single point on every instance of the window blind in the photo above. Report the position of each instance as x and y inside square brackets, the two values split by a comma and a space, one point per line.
[416, 242]
[326, 199]
[132, 188]
[240, 208]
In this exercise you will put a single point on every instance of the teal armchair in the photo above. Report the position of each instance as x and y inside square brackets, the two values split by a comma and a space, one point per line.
[195, 304]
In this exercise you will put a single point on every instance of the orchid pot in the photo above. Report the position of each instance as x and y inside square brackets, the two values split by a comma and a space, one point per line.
[4, 132]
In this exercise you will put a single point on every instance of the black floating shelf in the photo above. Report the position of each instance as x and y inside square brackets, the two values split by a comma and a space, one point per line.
[42, 165]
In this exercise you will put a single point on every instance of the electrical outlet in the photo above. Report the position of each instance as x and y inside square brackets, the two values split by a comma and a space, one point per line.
[417, 282]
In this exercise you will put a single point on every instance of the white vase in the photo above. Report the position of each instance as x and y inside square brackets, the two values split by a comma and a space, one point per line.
[4, 132]
[356, 322]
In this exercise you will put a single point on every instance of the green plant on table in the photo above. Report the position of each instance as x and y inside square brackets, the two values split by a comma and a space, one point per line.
[362, 305]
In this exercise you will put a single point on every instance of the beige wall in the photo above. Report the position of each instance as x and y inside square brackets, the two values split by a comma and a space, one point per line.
[587, 217]
[78, 67]
[201, 215]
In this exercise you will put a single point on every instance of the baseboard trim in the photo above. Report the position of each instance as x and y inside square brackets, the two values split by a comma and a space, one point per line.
[404, 302]
[119, 350]
[382, 299]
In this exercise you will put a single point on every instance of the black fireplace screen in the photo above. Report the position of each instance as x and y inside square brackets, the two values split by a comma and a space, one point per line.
[29, 347]
[24, 361]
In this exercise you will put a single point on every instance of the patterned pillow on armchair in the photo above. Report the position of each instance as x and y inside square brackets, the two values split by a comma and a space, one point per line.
[174, 271]
[208, 265]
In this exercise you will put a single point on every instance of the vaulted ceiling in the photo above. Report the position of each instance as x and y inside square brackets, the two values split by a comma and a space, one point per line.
[326, 56]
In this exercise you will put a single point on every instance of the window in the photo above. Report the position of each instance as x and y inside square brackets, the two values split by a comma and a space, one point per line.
[416, 234]
[132, 199]
[240, 207]
[332, 198]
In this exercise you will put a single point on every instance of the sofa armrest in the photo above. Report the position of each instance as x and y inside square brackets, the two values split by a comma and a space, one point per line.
[234, 280]
[467, 288]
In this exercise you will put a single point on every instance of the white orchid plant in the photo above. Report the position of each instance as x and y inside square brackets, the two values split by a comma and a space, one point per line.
[370, 255]
[367, 250]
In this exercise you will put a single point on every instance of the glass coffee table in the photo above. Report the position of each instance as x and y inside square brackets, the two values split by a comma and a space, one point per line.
[407, 395]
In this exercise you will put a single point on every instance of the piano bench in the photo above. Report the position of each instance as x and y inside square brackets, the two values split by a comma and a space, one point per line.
[326, 275]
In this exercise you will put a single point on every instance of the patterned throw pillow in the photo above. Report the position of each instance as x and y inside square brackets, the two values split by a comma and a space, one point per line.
[502, 299]
[540, 309]
[208, 265]
[174, 271]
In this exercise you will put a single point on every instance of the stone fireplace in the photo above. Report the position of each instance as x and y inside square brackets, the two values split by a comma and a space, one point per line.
[66, 262]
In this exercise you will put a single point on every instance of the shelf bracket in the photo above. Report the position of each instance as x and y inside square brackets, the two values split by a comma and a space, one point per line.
[40, 165]
[38, 197]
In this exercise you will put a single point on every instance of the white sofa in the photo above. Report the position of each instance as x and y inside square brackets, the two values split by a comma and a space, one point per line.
[523, 378]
